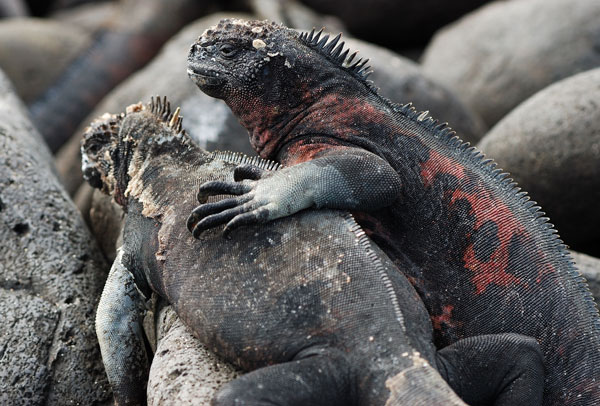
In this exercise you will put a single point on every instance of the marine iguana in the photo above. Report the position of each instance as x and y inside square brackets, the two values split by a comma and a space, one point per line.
[317, 312]
[487, 260]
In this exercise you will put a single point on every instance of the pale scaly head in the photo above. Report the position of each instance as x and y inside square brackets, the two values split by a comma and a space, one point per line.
[98, 148]
[111, 142]
[269, 74]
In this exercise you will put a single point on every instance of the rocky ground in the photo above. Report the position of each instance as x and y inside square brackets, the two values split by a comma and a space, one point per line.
[520, 79]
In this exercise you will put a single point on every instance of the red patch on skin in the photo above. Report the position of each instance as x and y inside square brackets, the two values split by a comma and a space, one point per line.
[438, 164]
[343, 117]
[302, 152]
[445, 318]
[485, 207]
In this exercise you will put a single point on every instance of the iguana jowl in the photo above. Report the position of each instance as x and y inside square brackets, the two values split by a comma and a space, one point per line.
[317, 312]
[487, 261]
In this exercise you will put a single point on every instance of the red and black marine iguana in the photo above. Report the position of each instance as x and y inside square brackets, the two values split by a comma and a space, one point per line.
[319, 314]
[487, 260]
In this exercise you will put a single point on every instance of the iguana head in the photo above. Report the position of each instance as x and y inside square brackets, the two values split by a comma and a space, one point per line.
[225, 61]
[269, 75]
[114, 146]
[100, 141]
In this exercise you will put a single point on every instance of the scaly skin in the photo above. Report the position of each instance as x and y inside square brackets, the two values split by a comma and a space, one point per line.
[487, 261]
[317, 312]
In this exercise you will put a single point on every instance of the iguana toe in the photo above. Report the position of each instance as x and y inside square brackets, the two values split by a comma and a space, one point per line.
[248, 171]
[217, 219]
[216, 187]
[260, 215]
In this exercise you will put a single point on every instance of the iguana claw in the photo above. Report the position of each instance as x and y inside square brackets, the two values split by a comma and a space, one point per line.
[261, 196]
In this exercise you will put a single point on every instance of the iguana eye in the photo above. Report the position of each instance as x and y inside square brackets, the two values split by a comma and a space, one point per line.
[93, 149]
[228, 50]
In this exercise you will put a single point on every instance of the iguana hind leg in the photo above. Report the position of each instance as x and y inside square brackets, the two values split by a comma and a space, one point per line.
[317, 380]
[495, 369]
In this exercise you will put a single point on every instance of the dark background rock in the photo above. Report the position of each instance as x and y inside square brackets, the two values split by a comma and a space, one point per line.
[83, 201]
[294, 14]
[207, 120]
[13, 8]
[551, 145]
[393, 23]
[123, 45]
[43, 7]
[51, 275]
[499, 55]
[106, 222]
[88, 16]
[35, 52]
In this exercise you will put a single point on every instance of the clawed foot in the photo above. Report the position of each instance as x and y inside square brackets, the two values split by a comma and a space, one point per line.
[261, 197]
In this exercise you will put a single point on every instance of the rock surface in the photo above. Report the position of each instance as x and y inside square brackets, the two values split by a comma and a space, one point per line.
[35, 52]
[551, 146]
[51, 275]
[501, 54]
[183, 371]
[13, 8]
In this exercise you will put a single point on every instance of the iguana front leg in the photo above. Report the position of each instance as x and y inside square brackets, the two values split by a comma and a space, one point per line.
[121, 337]
[350, 179]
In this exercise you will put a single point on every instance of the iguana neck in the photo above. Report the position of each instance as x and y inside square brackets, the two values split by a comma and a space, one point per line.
[337, 118]
[274, 117]
[156, 154]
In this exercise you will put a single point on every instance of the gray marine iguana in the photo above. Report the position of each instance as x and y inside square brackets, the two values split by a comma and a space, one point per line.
[317, 312]
[487, 260]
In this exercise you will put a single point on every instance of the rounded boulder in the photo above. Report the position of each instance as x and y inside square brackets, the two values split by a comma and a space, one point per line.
[501, 54]
[551, 146]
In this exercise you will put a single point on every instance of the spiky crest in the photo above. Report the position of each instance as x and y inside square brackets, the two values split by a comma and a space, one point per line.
[242, 159]
[365, 243]
[332, 50]
[161, 108]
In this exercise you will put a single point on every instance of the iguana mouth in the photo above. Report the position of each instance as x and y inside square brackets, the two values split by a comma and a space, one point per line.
[93, 177]
[205, 77]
